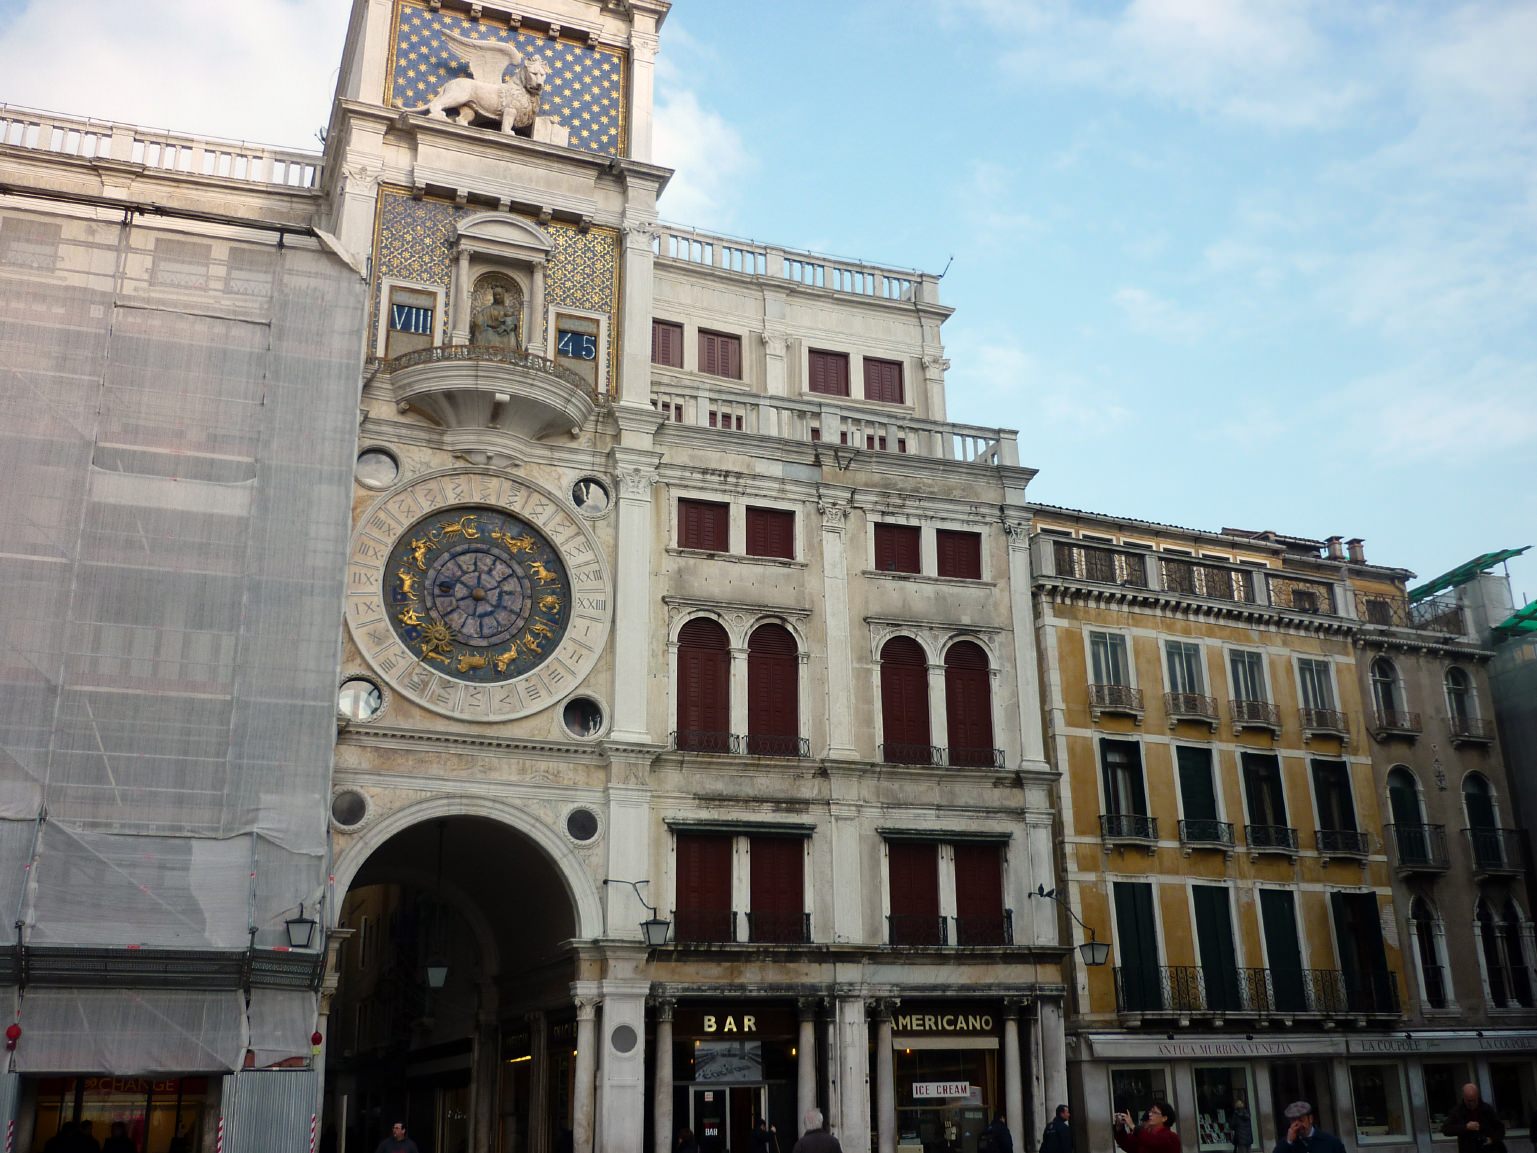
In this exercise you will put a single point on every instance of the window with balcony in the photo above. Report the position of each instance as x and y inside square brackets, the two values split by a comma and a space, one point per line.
[896, 548]
[720, 354]
[1268, 827]
[827, 372]
[1417, 847]
[704, 688]
[1502, 954]
[913, 881]
[702, 910]
[777, 890]
[180, 264]
[1486, 839]
[704, 524]
[1214, 941]
[1514, 932]
[1110, 666]
[1369, 986]
[30, 244]
[1251, 693]
[1283, 950]
[1139, 984]
[1462, 708]
[1125, 814]
[1388, 698]
[883, 380]
[980, 916]
[1319, 712]
[1201, 824]
[667, 343]
[1337, 832]
[958, 554]
[1186, 698]
[905, 737]
[969, 706]
[771, 533]
[1430, 953]
[773, 693]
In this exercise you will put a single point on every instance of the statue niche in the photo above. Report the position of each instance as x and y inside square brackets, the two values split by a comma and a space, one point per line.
[496, 313]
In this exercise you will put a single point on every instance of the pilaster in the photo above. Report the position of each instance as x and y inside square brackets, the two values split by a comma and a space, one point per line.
[635, 471]
[834, 507]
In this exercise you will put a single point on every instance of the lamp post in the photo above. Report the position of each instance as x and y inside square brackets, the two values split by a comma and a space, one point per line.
[655, 928]
[301, 929]
[1093, 951]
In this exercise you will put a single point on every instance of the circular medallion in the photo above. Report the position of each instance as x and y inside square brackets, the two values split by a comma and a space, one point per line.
[477, 595]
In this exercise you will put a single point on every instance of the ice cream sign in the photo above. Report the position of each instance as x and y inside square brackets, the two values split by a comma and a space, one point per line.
[934, 1090]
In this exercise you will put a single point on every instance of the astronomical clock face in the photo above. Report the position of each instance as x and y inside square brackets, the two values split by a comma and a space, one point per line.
[478, 596]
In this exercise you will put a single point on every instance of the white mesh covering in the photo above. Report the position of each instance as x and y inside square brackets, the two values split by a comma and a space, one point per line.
[176, 440]
[131, 1032]
[282, 1021]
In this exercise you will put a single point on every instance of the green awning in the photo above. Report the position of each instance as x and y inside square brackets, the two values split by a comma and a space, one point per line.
[1463, 573]
[1522, 622]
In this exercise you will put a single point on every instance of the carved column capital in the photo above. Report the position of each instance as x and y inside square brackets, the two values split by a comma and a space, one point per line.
[635, 483]
[644, 45]
[774, 343]
[881, 1008]
[835, 513]
[663, 1007]
[807, 1007]
[1017, 529]
[934, 364]
[587, 1008]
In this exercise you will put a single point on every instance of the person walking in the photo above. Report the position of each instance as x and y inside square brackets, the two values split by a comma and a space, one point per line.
[397, 1141]
[1058, 1135]
[1155, 1135]
[763, 1136]
[816, 1138]
[996, 1138]
[1303, 1134]
[1474, 1123]
[1242, 1127]
[686, 1142]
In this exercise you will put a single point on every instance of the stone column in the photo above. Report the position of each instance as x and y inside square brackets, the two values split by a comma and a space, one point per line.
[461, 306]
[485, 1083]
[1013, 1084]
[885, 1082]
[841, 721]
[583, 1093]
[636, 472]
[538, 1083]
[1032, 737]
[1038, 1110]
[1053, 1059]
[661, 1085]
[830, 1056]
[805, 1060]
[853, 1117]
[634, 373]
[538, 336]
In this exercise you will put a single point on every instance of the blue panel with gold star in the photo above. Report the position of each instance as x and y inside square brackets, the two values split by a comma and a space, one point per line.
[584, 90]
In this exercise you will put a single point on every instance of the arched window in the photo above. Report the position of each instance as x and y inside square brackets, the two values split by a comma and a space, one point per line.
[1411, 837]
[968, 705]
[1425, 926]
[1495, 972]
[1484, 833]
[1385, 692]
[1461, 707]
[1515, 955]
[704, 687]
[773, 693]
[905, 738]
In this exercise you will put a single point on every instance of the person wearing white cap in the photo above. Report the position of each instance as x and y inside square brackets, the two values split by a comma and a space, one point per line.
[1303, 1135]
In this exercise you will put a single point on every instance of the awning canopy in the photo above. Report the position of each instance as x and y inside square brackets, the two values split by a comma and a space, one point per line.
[1463, 573]
[1522, 622]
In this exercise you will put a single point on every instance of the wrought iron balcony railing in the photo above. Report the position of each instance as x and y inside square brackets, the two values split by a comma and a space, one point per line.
[1342, 842]
[779, 928]
[1438, 614]
[1215, 582]
[974, 931]
[704, 926]
[1128, 827]
[1271, 838]
[1101, 565]
[1418, 848]
[1204, 832]
[1115, 699]
[772, 745]
[1249, 714]
[1186, 990]
[1468, 730]
[1325, 721]
[917, 929]
[963, 758]
[1395, 722]
[907, 753]
[1496, 852]
[706, 741]
[1190, 707]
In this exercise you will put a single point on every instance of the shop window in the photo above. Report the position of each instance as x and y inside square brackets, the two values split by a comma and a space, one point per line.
[1377, 1090]
[777, 886]
[969, 705]
[883, 380]
[913, 881]
[1132, 1090]
[959, 554]
[702, 912]
[704, 524]
[905, 738]
[667, 343]
[704, 688]
[771, 532]
[896, 548]
[158, 1113]
[720, 354]
[980, 917]
[1219, 1091]
[927, 1120]
[827, 372]
[773, 693]
[1510, 1090]
[1443, 1089]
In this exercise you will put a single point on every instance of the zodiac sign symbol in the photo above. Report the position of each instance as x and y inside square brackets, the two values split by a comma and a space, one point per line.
[468, 662]
[407, 582]
[409, 617]
[436, 640]
[506, 658]
[531, 644]
[549, 603]
[514, 544]
[419, 552]
[541, 628]
[542, 574]
[464, 526]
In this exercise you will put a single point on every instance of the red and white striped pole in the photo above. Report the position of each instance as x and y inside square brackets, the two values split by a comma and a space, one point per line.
[313, 1121]
[10, 1136]
[218, 1142]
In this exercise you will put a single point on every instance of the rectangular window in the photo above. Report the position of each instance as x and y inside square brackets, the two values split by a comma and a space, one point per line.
[1125, 793]
[883, 380]
[1219, 1090]
[777, 888]
[1363, 959]
[1336, 806]
[913, 881]
[1197, 795]
[1443, 1089]
[959, 554]
[703, 910]
[1510, 1085]
[180, 264]
[248, 272]
[896, 548]
[1108, 653]
[1283, 950]
[1185, 667]
[1249, 676]
[30, 244]
[979, 915]
[667, 343]
[1380, 1101]
[720, 354]
[770, 532]
[1317, 684]
[1133, 1090]
[1263, 789]
[1214, 940]
[703, 524]
[1137, 945]
[827, 372]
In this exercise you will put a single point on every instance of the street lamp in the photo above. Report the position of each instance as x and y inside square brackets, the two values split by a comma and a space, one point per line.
[1093, 951]
[655, 929]
[301, 929]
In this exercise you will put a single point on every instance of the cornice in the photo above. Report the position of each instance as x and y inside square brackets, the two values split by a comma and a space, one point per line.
[379, 736]
[1074, 592]
[1407, 641]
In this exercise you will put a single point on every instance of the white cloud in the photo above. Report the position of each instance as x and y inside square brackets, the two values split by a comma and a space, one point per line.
[1157, 317]
[997, 382]
[708, 155]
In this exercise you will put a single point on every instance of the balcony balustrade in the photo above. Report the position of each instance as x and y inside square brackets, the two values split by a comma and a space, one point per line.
[981, 931]
[1325, 721]
[705, 741]
[1214, 582]
[977, 758]
[1128, 827]
[1418, 849]
[1271, 838]
[1121, 699]
[1191, 990]
[1342, 842]
[1248, 714]
[488, 386]
[907, 753]
[1395, 723]
[1190, 707]
[779, 928]
[704, 926]
[1211, 834]
[1101, 565]
[1496, 852]
[1468, 730]
[909, 929]
[772, 745]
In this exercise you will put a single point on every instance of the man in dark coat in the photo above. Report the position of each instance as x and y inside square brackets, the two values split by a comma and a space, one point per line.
[997, 1136]
[816, 1139]
[397, 1141]
[1473, 1122]
[1058, 1137]
[1303, 1135]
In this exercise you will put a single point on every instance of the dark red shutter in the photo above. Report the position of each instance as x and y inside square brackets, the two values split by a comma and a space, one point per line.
[667, 343]
[968, 705]
[704, 888]
[959, 554]
[770, 532]
[979, 895]
[883, 380]
[704, 687]
[896, 548]
[904, 702]
[773, 693]
[913, 876]
[778, 889]
[828, 372]
[720, 354]
[704, 524]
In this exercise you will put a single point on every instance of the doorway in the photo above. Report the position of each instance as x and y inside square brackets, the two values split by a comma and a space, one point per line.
[722, 1116]
[1298, 1081]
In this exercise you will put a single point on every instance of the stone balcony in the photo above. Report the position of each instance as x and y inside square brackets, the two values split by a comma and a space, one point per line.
[467, 386]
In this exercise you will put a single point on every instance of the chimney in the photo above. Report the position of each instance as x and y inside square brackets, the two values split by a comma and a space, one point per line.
[1357, 548]
[1335, 552]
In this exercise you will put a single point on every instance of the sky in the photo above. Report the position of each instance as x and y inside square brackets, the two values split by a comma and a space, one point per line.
[1250, 263]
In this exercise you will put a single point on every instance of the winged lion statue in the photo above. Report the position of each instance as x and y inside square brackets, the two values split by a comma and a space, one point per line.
[484, 93]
